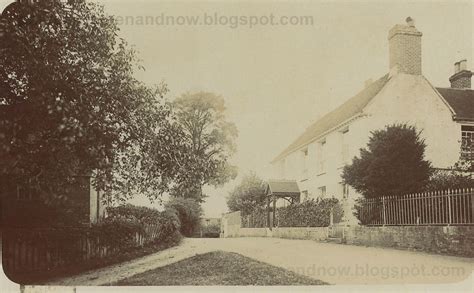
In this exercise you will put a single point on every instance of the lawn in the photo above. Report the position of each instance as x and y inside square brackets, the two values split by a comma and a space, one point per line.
[218, 268]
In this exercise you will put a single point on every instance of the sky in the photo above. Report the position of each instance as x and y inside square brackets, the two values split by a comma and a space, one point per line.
[277, 79]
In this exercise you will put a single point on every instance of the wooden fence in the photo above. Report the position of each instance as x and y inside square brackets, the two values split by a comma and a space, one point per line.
[448, 207]
[35, 250]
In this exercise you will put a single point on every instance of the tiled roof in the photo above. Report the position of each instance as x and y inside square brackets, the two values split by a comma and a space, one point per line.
[283, 187]
[344, 112]
[461, 101]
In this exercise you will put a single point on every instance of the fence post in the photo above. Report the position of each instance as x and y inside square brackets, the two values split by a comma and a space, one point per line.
[383, 209]
[331, 217]
[471, 198]
[449, 207]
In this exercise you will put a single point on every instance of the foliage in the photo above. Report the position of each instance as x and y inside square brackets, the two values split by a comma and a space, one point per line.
[310, 213]
[362, 213]
[209, 142]
[443, 180]
[248, 195]
[392, 164]
[212, 228]
[466, 160]
[70, 104]
[256, 219]
[118, 233]
[188, 211]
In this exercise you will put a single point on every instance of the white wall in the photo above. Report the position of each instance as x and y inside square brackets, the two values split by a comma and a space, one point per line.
[405, 99]
[411, 99]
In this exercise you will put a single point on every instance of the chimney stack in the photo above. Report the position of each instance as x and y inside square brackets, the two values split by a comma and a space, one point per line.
[461, 79]
[405, 48]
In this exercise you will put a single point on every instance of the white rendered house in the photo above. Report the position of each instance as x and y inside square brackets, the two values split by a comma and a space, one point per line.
[446, 116]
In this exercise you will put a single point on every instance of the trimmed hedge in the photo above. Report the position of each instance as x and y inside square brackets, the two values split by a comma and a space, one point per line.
[310, 213]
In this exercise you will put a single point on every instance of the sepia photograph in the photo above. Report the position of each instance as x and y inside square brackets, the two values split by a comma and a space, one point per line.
[236, 145]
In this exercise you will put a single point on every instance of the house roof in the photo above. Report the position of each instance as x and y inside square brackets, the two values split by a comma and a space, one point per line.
[461, 101]
[283, 188]
[350, 108]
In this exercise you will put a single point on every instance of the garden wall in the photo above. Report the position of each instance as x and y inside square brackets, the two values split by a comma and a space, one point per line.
[456, 240]
[230, 224]
[312, 233]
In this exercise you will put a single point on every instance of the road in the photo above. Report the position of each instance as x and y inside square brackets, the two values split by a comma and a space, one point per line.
[332, 263]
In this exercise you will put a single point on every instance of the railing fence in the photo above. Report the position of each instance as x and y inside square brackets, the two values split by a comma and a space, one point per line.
[448, 207]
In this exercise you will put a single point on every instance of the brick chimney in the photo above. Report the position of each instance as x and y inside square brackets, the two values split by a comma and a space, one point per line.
[461, 79]
[405, 48]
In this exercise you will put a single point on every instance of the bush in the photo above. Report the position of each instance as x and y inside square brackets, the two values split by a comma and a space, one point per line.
[117, 233]
[443, 180]
[311, 213]
[188, 212]
[256, 219]
[393, 163]
[125, 217]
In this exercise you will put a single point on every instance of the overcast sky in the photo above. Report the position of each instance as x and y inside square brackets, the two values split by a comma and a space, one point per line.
[278, 79]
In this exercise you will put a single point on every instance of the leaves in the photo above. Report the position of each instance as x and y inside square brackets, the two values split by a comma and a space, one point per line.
[209, 141]
[310, 213]
[188, 211]
[248, 195]
[70, 104]
[392, 164]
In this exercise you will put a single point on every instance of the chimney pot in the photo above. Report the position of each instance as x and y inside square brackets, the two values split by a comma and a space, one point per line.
[410, 21]
[456, 67]
[463, 65]
[461, 79]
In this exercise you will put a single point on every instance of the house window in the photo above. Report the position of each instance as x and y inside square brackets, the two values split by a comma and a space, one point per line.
[322, 192]
[304, 195]
[304, 163]
[467, 142]
[321, 159]
[345, 146]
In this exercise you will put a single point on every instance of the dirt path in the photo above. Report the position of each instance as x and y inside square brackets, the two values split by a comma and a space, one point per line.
[332, 263]
[110, 274]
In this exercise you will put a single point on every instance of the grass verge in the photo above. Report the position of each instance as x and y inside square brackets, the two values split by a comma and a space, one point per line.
[218, 268]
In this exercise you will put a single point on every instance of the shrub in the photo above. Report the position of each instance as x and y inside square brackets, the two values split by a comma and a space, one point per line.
[144, 215]
[117, 233]
[188, 212]
[143, 219]
[443, 180]
[393, 163]
[248, 195]
[256, 219]
[310, 213]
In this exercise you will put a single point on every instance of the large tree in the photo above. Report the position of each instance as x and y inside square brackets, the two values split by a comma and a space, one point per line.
[209, 141]
[248, 195]
[71, 105]
[392, 164]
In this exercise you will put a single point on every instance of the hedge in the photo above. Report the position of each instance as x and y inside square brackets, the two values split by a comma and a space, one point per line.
[310, 213]
[188, 211]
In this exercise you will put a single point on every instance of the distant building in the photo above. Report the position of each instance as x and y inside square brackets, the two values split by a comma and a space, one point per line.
[446, 116]
[205, 222]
